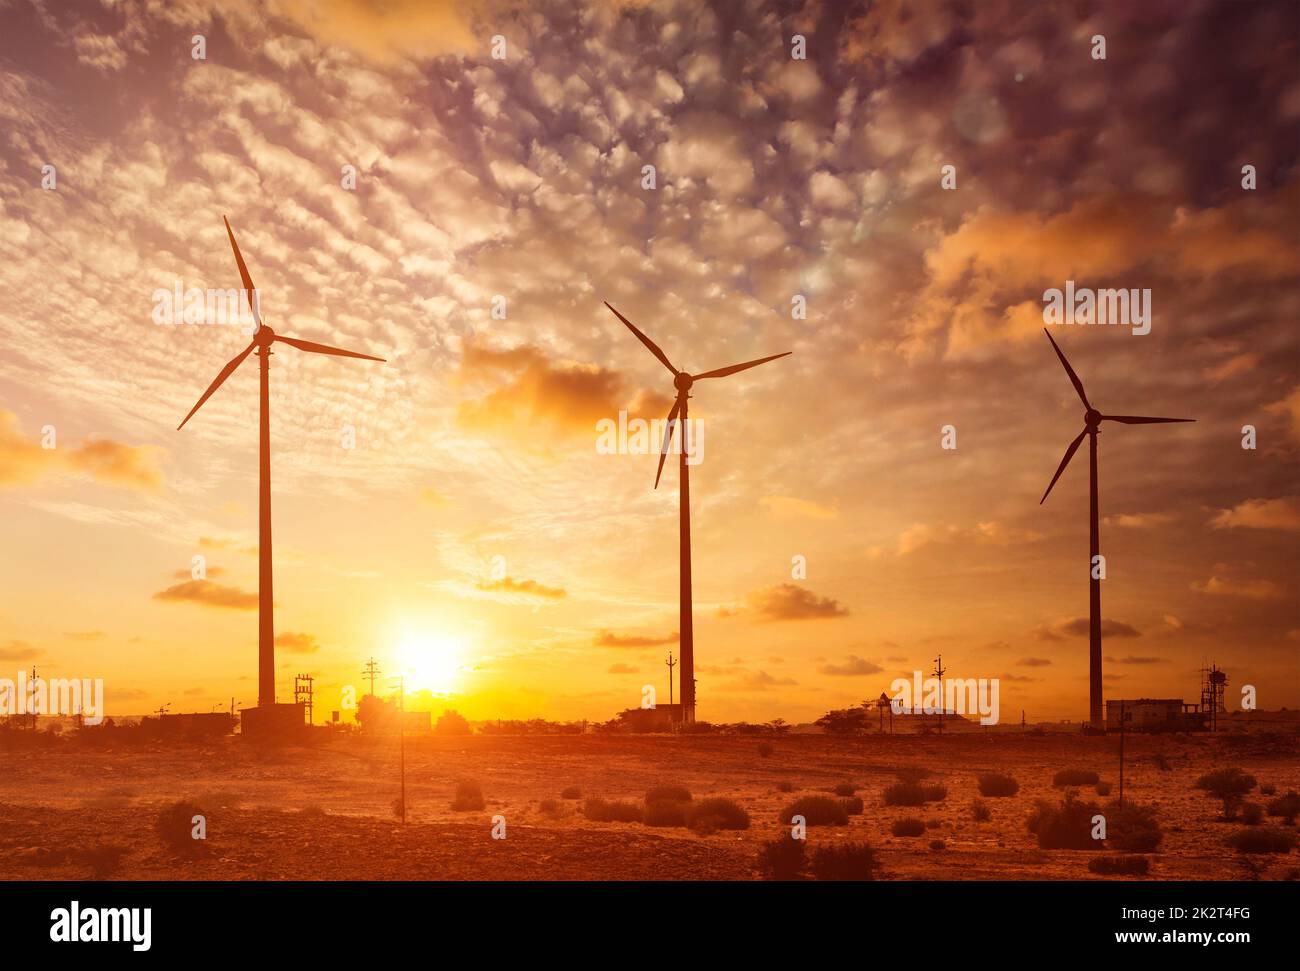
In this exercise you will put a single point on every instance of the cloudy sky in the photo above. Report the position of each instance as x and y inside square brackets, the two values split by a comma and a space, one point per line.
[475, 532]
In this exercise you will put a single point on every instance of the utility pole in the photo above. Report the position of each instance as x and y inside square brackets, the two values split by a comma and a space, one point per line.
[939, 673]
[401, 736]
[1121, 755]
[371, 671]
[1022, 721]
[671, 664]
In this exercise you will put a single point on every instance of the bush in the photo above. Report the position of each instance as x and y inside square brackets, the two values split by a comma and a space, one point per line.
[1064, 827]
[913, 794]
[1287, 807]
[938, 845]
[845, 789]
[1262, 839]
[469, 796]
[1125, 866]
[993, 784]
[764, 750]
[600, 811]
[907, 827]
[452, 723]
[1075, 777]
[1228, 785]
[551, 808]
[1268, 790]
[570, 792]
[980, 811]
[1162, 763]
[668, 794]
[314, 811]
[843, 861]
[817, 811]
[716, 813]
[784, 786]
[781, 859]
[104, 859]
[1132, 828]
[852, 806]
[1103, 788]
[175, 824]
[665, 812]
[1251, 813]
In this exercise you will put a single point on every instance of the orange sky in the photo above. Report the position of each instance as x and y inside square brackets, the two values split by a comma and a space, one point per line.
[475, 515]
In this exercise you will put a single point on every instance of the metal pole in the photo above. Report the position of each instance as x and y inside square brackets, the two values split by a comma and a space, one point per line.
[401, 734]
[1121, 755]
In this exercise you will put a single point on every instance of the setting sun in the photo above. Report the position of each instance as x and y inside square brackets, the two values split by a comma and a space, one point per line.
[430, 662]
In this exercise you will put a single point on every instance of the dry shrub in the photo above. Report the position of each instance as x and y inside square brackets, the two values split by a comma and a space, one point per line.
[764, 750]
[1287, 807]
[716, 813]
[980, 811]
[1262, 839]
[665, 812]
[668, 793]
[843, 861]
[913, 794]
[845, 789]
[784, 786]
[469, 796]
[600, 811]
[571, 792]
[1064, 827]
[1103, 788]
[1132, 828]
[1120, 866]
[996, 785]
[551, 808]
[852, 806]
[1251, 813]
[817, 811]
[104, 859]
[314, 811]
[781, 859]
[937, 845]
[1075, 777]
[175, 825]
[907, 827]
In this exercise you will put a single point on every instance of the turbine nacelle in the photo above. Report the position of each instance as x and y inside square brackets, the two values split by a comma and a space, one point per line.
[683, 381]
[264, 336]
[1092, 418]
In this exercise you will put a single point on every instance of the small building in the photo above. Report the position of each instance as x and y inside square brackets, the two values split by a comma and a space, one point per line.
[1152, 715]
[661, 718]
[197, 723]
[278, 721]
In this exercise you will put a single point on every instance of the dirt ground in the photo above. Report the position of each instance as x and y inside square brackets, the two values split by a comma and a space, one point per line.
[58, 798]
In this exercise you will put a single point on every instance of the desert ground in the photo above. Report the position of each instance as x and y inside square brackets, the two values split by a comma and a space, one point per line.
[325, 811]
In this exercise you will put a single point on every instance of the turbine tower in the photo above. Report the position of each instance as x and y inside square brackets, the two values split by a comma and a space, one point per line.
[263, 338]
[1092, 420]
[683, 382]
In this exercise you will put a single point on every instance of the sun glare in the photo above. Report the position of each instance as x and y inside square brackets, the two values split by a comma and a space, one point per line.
[430, 662]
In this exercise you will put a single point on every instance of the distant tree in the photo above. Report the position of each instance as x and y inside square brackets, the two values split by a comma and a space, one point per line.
[849, 721]
[452, 723]
[372, 712]
[779, 726]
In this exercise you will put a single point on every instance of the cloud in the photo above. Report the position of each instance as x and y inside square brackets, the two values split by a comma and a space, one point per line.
[388, 30]
[19, 651]
[1282, 514]
[208, 594]
[1033, 662]
[513, 591]
[1143, 520]
[1223, 584]
[1136, 660]
[620, 668]
[787, 601]
[296, 643]
[607, 639]
[1080, 626]
[529, 390]
[852, 667]
[791, 506]
[920, 535]
[113, 463]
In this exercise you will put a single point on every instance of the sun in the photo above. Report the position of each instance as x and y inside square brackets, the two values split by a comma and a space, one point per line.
[430, 662]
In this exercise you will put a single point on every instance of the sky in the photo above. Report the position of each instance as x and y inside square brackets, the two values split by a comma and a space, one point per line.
[391, 183]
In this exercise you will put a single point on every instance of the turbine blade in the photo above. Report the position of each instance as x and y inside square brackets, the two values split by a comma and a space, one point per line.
[668, 438]
[225, 373]
[315, 348]
[650, 345]
[1139, 420]
[1074, 378]
[1069, 454]
[722, 372]
[249, 289]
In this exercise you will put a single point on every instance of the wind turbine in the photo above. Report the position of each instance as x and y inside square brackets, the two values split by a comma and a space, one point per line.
[682, 382]
[1092, 419]
[263, 338]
